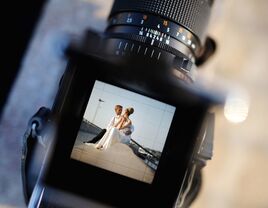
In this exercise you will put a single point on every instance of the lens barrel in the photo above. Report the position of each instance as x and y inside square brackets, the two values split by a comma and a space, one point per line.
[191, 14]
[159, 30]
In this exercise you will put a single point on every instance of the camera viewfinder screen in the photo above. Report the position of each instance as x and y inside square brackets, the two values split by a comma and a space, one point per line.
[123, 132]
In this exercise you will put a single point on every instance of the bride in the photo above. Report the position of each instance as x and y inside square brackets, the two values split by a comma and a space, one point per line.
[119, 132]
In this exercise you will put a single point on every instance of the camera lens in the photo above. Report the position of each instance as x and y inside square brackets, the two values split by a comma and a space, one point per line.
[177, 26]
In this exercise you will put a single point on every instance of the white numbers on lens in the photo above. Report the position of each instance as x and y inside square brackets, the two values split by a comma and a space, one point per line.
[129, 20]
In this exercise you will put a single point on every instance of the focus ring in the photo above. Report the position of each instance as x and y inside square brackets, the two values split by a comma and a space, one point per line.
[192, 14]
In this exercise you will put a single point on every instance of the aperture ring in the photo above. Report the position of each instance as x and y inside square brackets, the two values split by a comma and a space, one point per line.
[157, 27]
[192, 14]
[166, 43]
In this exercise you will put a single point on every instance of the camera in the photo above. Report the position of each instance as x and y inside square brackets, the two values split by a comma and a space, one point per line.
[152, 155]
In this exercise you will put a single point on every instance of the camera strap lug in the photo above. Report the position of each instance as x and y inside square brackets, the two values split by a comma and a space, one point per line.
[31, 138]
[203, 152]
[34, 134]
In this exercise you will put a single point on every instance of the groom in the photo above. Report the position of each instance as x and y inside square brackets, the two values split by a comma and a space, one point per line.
[113, 121]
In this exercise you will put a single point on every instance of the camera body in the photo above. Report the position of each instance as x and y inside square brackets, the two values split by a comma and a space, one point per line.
[142, 61]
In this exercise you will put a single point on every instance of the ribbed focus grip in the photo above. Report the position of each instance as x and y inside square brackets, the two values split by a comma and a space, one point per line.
[192, 14]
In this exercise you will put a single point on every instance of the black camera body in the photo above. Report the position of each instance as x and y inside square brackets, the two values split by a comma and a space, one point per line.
[145, 59]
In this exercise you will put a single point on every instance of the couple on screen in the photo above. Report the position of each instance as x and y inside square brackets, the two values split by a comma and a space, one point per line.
[118, 130]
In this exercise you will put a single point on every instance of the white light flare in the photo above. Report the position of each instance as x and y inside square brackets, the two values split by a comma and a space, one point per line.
[236, 107]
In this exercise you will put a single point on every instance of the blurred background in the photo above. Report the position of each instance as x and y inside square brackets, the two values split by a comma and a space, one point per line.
[237, 174]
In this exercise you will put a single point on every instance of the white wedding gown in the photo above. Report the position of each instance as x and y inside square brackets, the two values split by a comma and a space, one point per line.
[113, 136]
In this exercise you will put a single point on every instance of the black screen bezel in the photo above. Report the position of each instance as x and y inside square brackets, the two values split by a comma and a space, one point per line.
[99, 184]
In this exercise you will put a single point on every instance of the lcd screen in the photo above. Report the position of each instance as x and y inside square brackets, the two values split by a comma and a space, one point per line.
[123, 132]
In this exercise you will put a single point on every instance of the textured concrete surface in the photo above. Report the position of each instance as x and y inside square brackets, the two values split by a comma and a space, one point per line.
[237, 175]
[118, 158]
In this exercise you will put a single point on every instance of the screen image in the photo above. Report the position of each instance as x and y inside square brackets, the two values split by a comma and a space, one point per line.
[123, 132]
